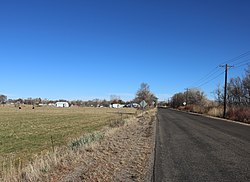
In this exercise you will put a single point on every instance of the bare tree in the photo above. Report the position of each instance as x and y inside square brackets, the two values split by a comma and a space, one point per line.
[3, 99]
[177, 100]
[238, 93]
[144, 93]
[235, 91]
[115, 98]
[246, 85]
[218, 92]
[195, 96]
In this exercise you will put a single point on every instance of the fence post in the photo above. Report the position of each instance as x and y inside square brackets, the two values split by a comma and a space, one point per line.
[52, 142]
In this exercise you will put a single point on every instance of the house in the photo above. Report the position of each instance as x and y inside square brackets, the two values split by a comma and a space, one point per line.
[62, 104]
[116, 106]
[133, 105]
[52, 104]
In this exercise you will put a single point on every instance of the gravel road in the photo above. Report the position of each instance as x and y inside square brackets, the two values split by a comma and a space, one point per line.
[196, 148]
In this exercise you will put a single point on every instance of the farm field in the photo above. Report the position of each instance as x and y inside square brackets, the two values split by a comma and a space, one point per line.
[28, 131]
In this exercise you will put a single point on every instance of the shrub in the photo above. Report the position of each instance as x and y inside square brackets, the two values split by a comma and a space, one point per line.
[239, 114]
[215, 111]
[181, 108]
[189, 108]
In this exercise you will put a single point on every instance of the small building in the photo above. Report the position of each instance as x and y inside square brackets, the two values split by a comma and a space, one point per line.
[133, 105]
[116, 106]
[52, 104]
[62, 104]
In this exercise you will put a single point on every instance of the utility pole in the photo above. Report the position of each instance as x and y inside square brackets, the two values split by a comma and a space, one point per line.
[187, 95]
[225, 88]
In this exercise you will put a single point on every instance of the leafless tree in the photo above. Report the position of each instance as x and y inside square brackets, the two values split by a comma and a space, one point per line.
[218, 92]
[192, 97]
[115, 98]
[195, 96]
[235, 91]
[246, 85]
[3, 99]
[144, 93]
[177, 100]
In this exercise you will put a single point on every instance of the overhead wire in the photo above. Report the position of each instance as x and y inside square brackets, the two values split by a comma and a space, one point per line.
[248, 60]
[238, 66]
[207, 76]
[210, 80]
[206, 79]
[237, 58]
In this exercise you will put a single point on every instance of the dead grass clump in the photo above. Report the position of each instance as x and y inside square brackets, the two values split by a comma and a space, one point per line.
[216, 111]
[239, 114]
[116, 123]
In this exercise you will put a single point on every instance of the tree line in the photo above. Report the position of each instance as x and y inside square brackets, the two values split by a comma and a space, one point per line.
[237, 99]
[143, 93]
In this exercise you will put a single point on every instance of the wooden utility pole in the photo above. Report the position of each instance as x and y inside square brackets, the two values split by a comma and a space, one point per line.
[187, 95]
[225, 89]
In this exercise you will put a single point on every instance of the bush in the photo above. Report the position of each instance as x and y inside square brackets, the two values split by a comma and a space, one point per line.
[181, 108]
[239, 114]
[189, 108]
[195, 108]
[215, 111]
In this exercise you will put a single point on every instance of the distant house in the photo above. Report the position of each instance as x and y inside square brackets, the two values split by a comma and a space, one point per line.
[42, 104]
[52, 104]
[133, 105]
[62, 104]
[116, 106]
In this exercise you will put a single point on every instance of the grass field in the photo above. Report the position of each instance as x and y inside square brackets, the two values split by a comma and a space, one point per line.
[28, 131]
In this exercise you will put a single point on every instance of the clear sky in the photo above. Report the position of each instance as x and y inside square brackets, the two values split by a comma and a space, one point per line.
[77, 49]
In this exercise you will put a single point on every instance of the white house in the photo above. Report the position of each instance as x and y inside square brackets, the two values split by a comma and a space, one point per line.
[52, 104]
[62, 104]
[116, 106]
[135, 105]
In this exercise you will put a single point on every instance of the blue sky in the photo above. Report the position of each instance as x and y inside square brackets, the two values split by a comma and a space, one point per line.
[76, 49]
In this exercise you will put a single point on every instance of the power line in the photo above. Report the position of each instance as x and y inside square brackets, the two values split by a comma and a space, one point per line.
[242, 62]
[207, 76]
[211, 79]
[242, 65]
[237, 57]
[203, 80]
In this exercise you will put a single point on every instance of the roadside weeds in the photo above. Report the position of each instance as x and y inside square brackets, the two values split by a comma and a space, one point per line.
[213, 117]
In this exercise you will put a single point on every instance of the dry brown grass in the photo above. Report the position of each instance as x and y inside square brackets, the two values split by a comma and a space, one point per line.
[236, 113]
[216, 112]
[239, 114]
